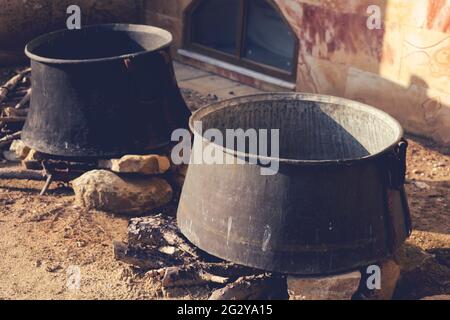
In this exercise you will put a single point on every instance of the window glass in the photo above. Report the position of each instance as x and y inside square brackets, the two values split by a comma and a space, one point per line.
[215, 24]
[268, 40]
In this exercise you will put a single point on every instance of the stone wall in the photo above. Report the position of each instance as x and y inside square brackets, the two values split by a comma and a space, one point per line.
[402, 68]
[21, 21]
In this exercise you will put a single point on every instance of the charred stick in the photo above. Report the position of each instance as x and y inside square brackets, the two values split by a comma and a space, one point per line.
[25, 100]
[18, 93]
[48, 182]
[12, 119]
[188, 276]
[10, 138]
[21, 174]
[12, 112]
[146, 260]
[11, 84]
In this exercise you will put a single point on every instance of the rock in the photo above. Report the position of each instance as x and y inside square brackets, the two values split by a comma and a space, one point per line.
[33, 160]
[421, 274]
[150, 164]
[410, 258]
[104, 190]
[422, 185]
[10, 156]
[20, 149]
[442, 255]
[336, 287]
[390, 275]
[439, 297]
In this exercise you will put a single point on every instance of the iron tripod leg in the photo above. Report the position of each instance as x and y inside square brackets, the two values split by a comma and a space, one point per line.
[47, 184]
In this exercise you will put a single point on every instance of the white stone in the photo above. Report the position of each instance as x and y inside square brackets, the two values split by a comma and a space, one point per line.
[10, 156]
[20, 149]
[148, 164]
[105, 191]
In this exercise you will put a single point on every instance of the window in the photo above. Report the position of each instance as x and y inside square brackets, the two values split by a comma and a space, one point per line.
[251, 33]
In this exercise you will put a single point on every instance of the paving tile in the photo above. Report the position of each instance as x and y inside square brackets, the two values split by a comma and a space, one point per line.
[185, 72]
[207, 85]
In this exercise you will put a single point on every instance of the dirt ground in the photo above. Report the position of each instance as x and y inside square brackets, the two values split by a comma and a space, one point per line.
[41, 237]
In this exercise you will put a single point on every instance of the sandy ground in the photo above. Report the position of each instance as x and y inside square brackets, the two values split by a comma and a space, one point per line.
[41, 238]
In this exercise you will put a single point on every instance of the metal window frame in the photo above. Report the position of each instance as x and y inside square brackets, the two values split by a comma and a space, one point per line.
[238, 58]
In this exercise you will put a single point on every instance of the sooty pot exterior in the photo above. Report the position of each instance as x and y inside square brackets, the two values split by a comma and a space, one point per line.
[103, 107]
[310, 218]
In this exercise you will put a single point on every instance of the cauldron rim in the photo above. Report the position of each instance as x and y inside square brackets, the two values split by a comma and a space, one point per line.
[114, 27]
[307, 97]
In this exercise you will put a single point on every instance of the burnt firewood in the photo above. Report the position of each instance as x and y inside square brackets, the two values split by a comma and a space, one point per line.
[158, 231]
[143, 259]
[11, 84]
[13, 112]
[25, 100]
[260, 287]
[6, 141]
[13, 119]
[189, 276]
[21, 174]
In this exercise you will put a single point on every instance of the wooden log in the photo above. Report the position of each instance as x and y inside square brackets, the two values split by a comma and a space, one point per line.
[143, 259]
[11, 84]
[21, 174]
[13, 119]
[13, 112]
[18, 93]
[159, 231]
[189, 276]
[25, 100]
[9, 138]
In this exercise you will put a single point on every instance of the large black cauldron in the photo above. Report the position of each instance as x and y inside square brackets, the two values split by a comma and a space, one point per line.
[337, 202]
[103, 91]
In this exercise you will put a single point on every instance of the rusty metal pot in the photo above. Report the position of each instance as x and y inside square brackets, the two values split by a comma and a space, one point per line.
[336, 204]
[22, 21]
[103, 91]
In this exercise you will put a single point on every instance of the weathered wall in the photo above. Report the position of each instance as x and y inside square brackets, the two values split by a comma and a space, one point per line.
[167, 14]
[21, 21]
[404, 68]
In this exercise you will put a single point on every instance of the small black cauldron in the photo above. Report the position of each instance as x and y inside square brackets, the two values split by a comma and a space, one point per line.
[103, 91]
